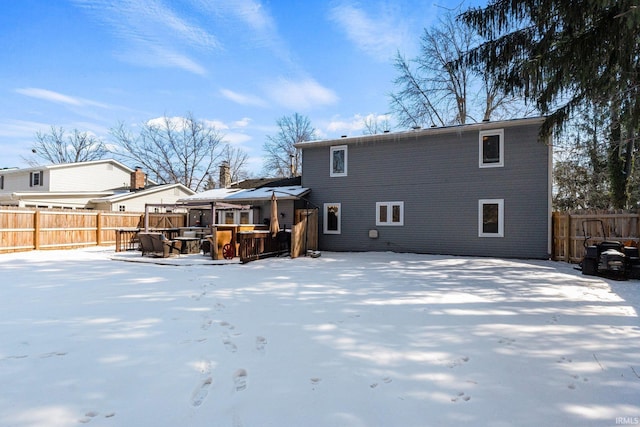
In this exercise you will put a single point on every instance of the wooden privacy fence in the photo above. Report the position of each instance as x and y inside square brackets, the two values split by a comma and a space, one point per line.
[29, 229]
[570, 230]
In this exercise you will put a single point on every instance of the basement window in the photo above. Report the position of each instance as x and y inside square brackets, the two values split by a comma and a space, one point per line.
[491, 218]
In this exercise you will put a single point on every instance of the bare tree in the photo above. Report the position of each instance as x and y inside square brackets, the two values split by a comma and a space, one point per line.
[236, 158]
[59, 147]
[172, 149]
[435, 89]
[282, 158]
[374, 124]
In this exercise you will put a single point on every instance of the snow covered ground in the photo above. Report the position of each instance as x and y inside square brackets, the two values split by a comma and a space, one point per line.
[347, 339]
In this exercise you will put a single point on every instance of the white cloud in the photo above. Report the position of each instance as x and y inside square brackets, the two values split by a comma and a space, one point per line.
[250, 18]
[242, 99]
[57, 97]
[242, 123]
[356, 123]
[379, 35]
[159, 57]
[300, 95]
[237, 138]
[151, 27]
[217, 124]
[20, 128]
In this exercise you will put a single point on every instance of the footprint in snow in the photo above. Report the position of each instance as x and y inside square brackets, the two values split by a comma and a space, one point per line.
[261, 343]
[461, 396]
[314, 382]
[240, 379]
[458, 362]
[229, 345]
[201, 392]
[572, 385]
[88, 417]
[385, 380]
[506, 341]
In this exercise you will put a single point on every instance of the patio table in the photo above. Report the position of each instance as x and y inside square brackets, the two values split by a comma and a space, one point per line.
[190, 245]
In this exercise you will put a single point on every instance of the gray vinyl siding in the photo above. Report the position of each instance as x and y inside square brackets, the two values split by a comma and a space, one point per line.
[440, 182]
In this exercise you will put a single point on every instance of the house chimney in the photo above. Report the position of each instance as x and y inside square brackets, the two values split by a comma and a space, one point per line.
[138, 179]
[225, 175]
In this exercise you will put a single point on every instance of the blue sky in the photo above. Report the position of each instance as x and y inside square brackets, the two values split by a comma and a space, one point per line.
[240, 64]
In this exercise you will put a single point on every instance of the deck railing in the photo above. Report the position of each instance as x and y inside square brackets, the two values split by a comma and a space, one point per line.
[254, 245]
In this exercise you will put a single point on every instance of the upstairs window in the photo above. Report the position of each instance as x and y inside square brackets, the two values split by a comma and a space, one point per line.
[390, 213]
[492, 148]
[338, 161]
[35, 179]
[122, 208]
[491, 218]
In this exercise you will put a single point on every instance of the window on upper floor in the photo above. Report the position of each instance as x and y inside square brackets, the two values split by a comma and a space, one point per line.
[122, 208]
[338, 161]
[491, 218]
[390, 213]
[491, 148]
[36, 179]
[332, 220]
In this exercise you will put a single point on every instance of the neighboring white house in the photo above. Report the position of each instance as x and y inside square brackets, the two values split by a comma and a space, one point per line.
[134, 201]
[101, 184]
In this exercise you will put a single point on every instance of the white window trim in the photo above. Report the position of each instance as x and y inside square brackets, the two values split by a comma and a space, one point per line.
[325, 219]
[236, 216]
[500, 133]
[390, 206]
[33, 176]
[346, 162]
[500, 203]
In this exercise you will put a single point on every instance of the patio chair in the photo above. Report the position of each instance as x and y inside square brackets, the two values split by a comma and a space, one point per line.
[155, 244]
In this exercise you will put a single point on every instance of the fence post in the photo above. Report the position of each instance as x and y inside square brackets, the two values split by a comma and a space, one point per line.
[569, 248]
[36, 230]
[99, 229]
[214, 243]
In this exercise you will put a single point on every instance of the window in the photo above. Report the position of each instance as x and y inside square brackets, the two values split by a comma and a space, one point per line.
[1, 182]
[35, 179]
[492, 148]
[245, 218]
[332, 218]
[122, 208]
[235, 216]
[390, 213]
[338, 161]
[491, 218]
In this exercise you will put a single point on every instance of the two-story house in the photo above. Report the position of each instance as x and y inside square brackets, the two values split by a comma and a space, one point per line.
[101, 184]
[481, 189]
